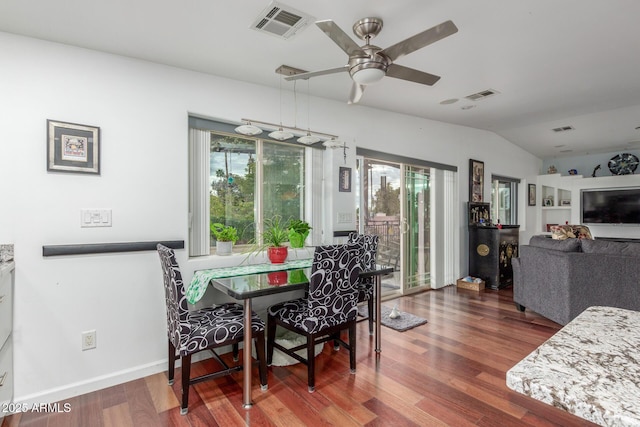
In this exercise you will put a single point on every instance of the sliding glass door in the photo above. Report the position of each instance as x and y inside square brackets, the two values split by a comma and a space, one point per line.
[393, 204]
[378, 207]
[416, 229]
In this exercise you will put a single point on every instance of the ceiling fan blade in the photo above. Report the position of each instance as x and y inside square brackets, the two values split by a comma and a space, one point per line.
[305, 76]
[340, 38]
[356, 93]
[405, 73]
[420, 40]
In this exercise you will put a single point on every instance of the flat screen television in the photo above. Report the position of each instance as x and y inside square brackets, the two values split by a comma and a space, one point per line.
[619, 206]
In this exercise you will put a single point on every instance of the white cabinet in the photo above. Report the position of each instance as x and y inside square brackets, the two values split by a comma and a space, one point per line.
[7, 278]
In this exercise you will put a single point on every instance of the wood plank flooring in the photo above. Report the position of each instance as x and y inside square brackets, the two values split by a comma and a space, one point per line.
[450, 371]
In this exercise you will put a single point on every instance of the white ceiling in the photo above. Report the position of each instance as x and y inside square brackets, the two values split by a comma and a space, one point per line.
[554, 63]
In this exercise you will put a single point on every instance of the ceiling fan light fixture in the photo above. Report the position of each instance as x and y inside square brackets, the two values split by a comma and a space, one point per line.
[367, 76]
[308, 139]
[280, 135]
[248, 129]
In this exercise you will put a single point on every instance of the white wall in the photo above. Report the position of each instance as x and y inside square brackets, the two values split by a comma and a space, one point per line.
[142, 110]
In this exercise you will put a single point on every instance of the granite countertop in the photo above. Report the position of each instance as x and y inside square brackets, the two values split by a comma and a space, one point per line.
[590, 368]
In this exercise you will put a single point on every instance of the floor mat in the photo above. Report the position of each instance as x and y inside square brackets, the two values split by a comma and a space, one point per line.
[403, 322]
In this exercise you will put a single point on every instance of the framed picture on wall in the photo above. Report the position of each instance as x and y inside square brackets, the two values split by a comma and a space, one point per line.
[72, 147]
[532, 194]
[476, 180]
[344, 180]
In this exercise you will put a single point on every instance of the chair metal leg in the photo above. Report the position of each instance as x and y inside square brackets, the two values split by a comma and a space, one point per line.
[172, 363]
[262, 363]
[311, 363]
[186, 375]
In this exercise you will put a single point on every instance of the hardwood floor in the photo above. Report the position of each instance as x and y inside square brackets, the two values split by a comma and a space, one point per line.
[450, 371]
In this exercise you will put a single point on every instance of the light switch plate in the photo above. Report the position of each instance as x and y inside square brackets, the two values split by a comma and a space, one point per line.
[95, 218]
[344, 218]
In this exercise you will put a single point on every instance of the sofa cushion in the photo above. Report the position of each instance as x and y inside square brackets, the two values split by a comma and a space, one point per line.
[568, 245]
[611, 247]
[562, 232]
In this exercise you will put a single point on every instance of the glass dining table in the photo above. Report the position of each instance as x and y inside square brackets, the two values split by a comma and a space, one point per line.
[246, 282]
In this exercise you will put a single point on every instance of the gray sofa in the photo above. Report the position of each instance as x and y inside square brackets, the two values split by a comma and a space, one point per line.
[559, 279]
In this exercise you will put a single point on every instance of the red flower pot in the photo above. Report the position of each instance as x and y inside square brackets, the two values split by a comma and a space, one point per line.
[277, 255]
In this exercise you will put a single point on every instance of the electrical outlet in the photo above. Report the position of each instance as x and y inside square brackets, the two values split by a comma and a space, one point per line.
[88, 340]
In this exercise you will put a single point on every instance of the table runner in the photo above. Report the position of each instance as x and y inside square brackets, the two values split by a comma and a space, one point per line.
[201, 278]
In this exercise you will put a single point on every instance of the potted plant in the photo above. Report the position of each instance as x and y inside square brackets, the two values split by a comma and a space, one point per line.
[226, 236]
[298, 231]
[274, 236]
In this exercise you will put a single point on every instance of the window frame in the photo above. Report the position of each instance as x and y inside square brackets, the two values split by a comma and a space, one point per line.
[312, 167]
[498, 199]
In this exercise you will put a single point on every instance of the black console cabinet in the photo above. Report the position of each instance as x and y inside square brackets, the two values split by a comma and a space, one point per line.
[490, 252]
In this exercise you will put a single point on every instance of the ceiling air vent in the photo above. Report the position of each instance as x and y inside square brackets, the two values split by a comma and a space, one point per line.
[563, 129]
[281, 20]
[482, 94]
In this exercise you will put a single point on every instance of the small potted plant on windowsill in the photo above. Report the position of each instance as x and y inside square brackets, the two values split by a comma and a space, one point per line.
[274, 236]
[298, 231]
[226, 236]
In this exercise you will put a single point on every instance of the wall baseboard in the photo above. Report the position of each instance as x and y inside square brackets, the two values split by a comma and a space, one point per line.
[59, 394]
[93, 384]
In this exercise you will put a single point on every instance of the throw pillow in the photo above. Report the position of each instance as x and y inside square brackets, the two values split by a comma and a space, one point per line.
[562, 232]
[568, 245]
[611, 247]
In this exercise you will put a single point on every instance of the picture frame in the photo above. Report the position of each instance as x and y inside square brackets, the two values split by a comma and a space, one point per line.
[476, 180]
[565, 202]
[532, 194]
[479, 213]
[344, 179]
[73, 148]
[547, 201]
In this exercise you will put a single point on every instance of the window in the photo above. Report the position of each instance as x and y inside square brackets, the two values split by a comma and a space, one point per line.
[504, 200]
[232, 177]
[239, 181]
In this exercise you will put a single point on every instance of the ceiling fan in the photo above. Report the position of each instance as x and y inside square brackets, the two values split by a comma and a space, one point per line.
[369, 64]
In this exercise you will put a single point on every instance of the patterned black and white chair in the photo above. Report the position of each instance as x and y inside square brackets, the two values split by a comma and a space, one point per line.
[329, 308]
[190, 332]
[368, 244]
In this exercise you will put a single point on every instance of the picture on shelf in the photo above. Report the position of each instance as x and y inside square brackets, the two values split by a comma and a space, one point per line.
[547, 201]
[565, 202]
[479, 213]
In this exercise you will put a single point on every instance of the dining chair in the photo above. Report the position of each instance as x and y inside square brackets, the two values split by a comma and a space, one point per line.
[208, 328]
[329, 307]
[368, 245]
